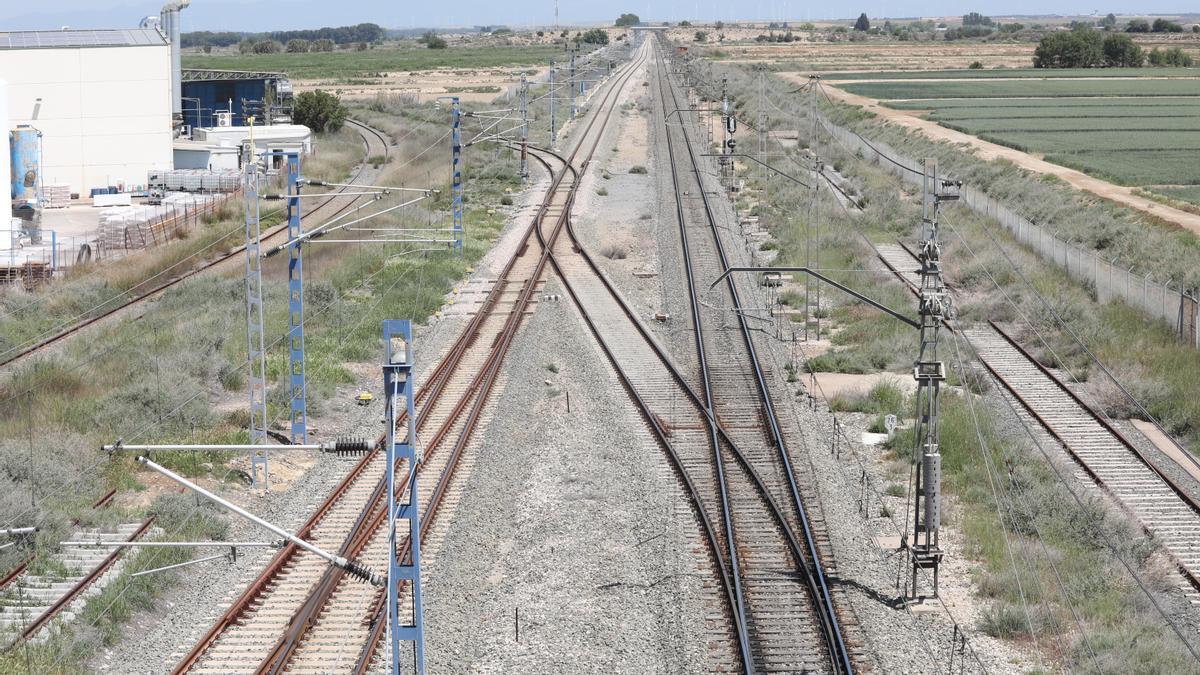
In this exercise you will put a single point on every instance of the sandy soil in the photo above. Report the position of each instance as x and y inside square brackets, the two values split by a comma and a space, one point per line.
[1125, 196]
[429, 84]
[848, 385]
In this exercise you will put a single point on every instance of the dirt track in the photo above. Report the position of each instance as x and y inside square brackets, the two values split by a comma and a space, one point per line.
[989, 151]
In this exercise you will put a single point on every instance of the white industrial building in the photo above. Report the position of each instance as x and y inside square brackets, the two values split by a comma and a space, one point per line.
[100, 98]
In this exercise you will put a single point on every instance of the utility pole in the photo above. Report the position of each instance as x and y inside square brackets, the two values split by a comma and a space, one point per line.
[814, 285]
[553, 124]
[929, 373]
[727, 144]
[762, 134]
[524, 128]
[572, 87]
[456, 185]
[255, 351]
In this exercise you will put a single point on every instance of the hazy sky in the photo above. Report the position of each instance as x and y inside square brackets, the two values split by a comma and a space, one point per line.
[256, 15]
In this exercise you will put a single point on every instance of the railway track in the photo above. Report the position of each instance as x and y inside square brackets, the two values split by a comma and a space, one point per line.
[1102, 454]
[375, 143]
[789, 605]
[326, 622]
[35, 591]
[717, 475]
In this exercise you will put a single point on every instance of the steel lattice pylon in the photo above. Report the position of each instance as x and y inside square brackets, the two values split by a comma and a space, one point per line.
[404, 566]
[298, 390]
[456, 186]
[929, 373]
[255, 350]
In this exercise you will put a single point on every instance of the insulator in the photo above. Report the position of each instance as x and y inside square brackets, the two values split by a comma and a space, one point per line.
[363, 573]
[346, 447]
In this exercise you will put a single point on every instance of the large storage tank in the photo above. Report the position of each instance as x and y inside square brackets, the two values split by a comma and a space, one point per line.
[26, 166]
[26, 163]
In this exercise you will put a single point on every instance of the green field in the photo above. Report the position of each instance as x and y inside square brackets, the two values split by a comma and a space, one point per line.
[369, 63]
[1014, 72]
[1132, 132]
[1189, 194]
[1026, 88]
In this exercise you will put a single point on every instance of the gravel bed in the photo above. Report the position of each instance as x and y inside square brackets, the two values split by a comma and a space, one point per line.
[571, 531]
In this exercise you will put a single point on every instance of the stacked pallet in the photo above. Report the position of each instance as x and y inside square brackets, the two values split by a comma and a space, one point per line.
[194, 180]
[56, 196]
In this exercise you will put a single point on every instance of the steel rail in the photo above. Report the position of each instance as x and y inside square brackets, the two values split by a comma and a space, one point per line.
[652, 417]
[203, 267]
[1186, 497]
[508, 333]
[15, 572]
[71, 595]
[363, 530]
[707, 391]
[814, 573]
[438, 380]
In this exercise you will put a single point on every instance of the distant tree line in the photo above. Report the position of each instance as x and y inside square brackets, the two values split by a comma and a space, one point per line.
[341, 35]
[1159, 26]
[1086, 48]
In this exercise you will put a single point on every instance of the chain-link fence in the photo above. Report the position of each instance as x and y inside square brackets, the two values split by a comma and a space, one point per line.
[1175, 305]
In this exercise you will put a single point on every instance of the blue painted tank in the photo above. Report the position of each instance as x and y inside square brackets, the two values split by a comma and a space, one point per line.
[26, 166]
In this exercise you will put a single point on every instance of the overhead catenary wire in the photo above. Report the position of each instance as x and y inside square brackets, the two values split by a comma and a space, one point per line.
[344, 337]
[1042, 300]
[1041, 539]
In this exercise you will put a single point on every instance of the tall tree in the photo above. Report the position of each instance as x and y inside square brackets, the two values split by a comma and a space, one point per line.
[863, 22]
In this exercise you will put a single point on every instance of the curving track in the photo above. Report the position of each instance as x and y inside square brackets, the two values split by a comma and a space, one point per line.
[772, 623]
[326, 621]
[374, 142]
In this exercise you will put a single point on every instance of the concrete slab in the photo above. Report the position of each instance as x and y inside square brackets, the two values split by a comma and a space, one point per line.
[1168, 447]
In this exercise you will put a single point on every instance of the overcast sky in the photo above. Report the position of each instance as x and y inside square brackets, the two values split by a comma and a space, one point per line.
[259, 15]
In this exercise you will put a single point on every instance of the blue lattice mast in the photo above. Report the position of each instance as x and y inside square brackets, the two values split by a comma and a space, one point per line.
[456, 186]
[255, 350]
[298, 390]
[404, 565]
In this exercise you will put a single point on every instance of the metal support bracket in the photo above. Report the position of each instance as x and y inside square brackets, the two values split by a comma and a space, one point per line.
[399, 387]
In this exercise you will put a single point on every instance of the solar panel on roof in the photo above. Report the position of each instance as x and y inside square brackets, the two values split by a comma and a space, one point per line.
[47, 39]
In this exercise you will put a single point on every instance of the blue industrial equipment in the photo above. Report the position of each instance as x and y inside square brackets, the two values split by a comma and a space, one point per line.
[456, 168]
[206, 93]
[26, 179]
[26, 165]
[298, 389]
[399, 385]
